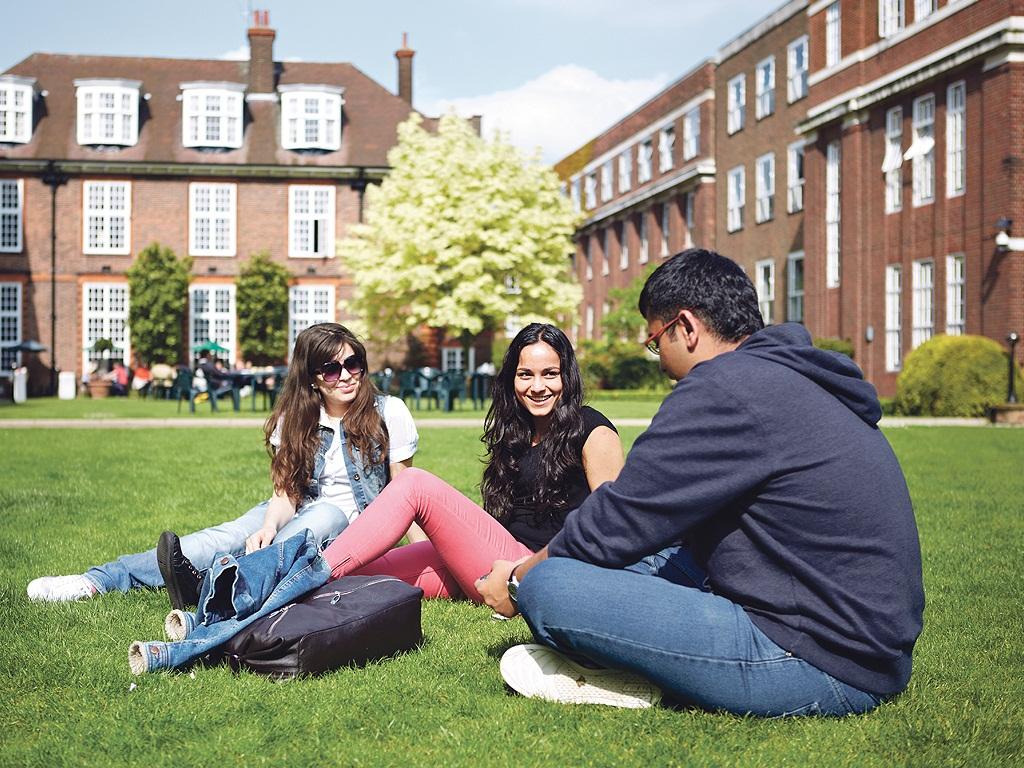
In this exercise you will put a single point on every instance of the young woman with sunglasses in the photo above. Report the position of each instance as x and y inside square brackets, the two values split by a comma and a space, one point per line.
[335, 443]
[545, 452]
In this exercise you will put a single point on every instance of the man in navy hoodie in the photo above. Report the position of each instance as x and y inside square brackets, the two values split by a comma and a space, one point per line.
[798, 589]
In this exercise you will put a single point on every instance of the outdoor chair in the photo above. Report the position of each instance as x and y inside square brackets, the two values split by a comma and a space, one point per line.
[452, 386]
[480, 389]
[382, 380]
[413, 384]
[183, 389]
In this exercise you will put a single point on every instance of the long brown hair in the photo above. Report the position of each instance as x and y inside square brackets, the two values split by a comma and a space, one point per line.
[298, 411]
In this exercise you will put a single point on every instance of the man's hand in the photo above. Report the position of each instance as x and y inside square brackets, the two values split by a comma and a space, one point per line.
[262, 538]
[493, 587]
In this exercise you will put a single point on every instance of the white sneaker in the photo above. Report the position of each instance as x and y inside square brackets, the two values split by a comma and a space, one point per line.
[536, 671]
[60, 589]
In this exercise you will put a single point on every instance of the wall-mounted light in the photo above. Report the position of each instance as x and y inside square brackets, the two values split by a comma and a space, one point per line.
[105, 269]
[1003, 240]
[310, 270]
[211, 270]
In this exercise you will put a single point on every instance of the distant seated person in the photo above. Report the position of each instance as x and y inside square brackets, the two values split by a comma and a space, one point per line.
[118, 378]
[142, 378]
[162, 376]
[218, 383]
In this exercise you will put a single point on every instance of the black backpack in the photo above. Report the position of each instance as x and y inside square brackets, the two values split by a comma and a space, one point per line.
[346, 622]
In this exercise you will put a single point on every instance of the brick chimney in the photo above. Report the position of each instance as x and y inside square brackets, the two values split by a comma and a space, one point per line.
[404, 56]
[261, 53]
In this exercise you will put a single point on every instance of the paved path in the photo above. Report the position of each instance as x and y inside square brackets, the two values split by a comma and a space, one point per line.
[888, 421]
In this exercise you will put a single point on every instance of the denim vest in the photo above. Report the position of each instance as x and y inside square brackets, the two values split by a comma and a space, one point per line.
[367, 479]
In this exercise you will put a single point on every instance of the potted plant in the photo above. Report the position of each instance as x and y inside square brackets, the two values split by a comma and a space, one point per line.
[99, 385]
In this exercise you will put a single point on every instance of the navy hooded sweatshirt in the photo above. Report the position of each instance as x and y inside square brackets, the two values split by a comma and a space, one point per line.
[768, 462]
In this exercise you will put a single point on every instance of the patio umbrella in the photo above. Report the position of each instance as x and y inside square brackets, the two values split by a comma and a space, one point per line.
[210, 346]
[29, 345]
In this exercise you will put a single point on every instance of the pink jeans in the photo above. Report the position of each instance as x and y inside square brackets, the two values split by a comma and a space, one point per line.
[464, 540]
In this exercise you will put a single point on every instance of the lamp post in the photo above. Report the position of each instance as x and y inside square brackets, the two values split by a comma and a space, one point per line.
[53, 177]
[1011, 395]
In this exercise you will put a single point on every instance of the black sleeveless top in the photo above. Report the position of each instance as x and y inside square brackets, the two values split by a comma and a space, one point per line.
[524, 522]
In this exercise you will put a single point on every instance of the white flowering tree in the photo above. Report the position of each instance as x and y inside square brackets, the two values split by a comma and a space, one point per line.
[462, 234]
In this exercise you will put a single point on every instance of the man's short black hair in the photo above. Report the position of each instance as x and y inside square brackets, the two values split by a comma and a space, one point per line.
[708, 284]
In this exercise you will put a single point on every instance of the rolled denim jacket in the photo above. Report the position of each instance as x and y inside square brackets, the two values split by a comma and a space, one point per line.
[235, 593]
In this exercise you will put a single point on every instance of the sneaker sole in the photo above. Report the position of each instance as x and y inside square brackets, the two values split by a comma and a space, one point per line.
[536, 671]
[163, 560]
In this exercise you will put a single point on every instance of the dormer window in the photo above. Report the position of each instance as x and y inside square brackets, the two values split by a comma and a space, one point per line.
[211, 114]
[311, 116]
[16, 95]
[108, 111]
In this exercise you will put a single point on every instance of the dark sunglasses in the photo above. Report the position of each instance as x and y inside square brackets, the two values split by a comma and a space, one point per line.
[330, 371]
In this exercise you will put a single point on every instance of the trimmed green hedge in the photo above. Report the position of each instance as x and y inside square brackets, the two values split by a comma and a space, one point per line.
[952, 376]
[835, 345]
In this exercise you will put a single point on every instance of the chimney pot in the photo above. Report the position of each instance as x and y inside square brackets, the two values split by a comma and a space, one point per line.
[404, 56]
[261, 54]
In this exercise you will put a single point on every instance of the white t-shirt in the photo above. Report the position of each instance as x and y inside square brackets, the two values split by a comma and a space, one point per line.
[336, 487]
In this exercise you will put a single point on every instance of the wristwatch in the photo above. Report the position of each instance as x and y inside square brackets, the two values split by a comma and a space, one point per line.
[513, 586]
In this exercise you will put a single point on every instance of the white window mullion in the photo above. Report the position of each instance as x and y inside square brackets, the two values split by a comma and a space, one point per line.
[691, 133]
[795, 287]
[12, 206]
[832, 215]
[107, 215]
[764, 282]
[893, 318]
[308, 305]
[311, 212]
[212, 219]
[956, 300]
[645, 245]
[833, 35]
[922, 150]
[10, 326]
[956, 139]
[735, 194]
[16, 101]
[212, 317]
[764, 188]
[796, 66]
[923, 310]
[105, 316]
[795, 177]
[892, 164]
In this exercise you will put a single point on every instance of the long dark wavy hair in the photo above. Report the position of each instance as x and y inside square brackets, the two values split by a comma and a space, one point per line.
[298, 411]
[509, 430]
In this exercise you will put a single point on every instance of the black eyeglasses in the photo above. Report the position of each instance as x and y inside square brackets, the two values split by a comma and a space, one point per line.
[330, 371]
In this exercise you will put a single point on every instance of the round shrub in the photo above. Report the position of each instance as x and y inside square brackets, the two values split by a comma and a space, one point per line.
[835, 345]
[952, 376]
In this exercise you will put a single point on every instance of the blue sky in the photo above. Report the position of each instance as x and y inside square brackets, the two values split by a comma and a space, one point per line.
[551, 73]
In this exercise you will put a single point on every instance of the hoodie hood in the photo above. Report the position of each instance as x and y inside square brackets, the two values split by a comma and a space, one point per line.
[789, 344]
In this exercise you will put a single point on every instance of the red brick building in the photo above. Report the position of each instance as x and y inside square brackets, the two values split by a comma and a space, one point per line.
[215, 159]
[646, 186]
[864, 152]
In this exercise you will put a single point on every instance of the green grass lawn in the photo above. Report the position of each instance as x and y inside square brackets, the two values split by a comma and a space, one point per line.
[72, 498]
[135, 408]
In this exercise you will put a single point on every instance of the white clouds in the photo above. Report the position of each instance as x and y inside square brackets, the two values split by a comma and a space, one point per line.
[241, 53]
[558, 111]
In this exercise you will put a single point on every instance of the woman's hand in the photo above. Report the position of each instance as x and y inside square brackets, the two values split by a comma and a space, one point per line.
[262, 538]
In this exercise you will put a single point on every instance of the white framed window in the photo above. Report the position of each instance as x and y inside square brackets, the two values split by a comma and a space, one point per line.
[574, 194]
[832, 215]
[211, 317]
[590, 321]
[452, 359]
[311, 221]
[212, 114]
[691, 133]
[736, 104]
[311, 116]
[956, 139]
[108, 111]
[605, 245]
[688, 218]
[105, 316]
[211, 219]
[795, 177]
[956, 299]
[625, 171]
[107, 217]
[795, 287]
[308, 305]
[764, 188]
[606, 182]
[644, 155]
[17, 95]
[764, 88]
[833, 35]
[924, 8]
[666, 146]
[624, 244]
[735, 199]
[922, 150]
[893, 317]
[590, 190]
[589, 256]
[666, 229]
[10, 326]
[796, 69]
[922, 301]
[890, 17]
[12, 207]
[892, 164]
[645, 245]
[764, 281]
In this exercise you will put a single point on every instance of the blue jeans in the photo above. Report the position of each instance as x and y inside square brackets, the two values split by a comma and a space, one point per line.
[237, 592]
[699, 648]
[128, 572]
